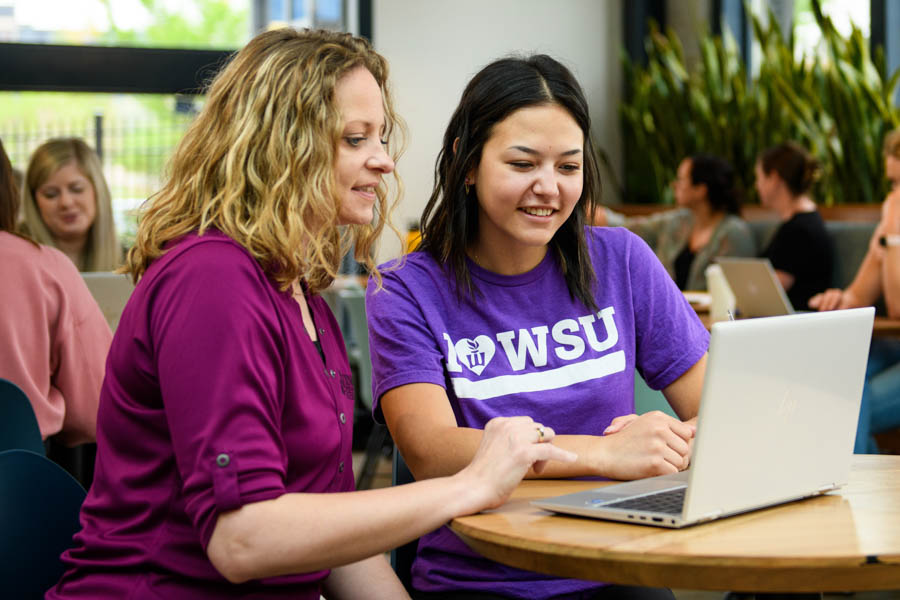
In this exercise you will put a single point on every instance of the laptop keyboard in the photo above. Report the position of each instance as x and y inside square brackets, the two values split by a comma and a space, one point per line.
[669, 502]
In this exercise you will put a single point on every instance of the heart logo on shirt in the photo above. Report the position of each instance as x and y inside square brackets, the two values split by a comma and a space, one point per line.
[475, 354]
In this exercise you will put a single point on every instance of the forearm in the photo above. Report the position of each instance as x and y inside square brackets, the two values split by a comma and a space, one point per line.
[890, 273]
[867, 286]
[447, 450]
[890, 256]
[371, 578]
[301, 533]
[595, 458]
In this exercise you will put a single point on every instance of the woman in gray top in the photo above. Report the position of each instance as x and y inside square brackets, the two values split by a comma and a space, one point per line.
[706, 224]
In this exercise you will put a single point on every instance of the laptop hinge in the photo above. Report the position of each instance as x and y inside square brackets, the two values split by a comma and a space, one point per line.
[710, 516]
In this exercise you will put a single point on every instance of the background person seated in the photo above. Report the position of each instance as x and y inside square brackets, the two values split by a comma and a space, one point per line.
[801, 251]
[706, 225]
[55, 339]
[67, 204]
[878, 276]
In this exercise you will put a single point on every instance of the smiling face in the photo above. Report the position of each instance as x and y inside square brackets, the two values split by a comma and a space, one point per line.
[361, 159]
[67, 203]
[528, 181]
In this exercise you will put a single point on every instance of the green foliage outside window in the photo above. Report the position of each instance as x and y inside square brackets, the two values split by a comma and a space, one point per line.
[838, 104]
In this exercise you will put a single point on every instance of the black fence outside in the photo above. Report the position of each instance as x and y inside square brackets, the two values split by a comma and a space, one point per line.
[134, 153]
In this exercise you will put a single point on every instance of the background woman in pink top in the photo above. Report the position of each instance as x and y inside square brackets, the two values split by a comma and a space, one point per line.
[54, 336]
[224, 434]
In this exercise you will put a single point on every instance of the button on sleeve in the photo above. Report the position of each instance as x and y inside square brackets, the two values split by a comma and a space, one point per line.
[225, 483]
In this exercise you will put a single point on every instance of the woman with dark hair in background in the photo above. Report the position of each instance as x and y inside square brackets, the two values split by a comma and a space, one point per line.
[55, 338]
[801, 251]
[513, 305]
[706, 225]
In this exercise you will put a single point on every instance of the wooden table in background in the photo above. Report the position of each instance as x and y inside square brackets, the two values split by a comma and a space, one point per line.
[848, 540]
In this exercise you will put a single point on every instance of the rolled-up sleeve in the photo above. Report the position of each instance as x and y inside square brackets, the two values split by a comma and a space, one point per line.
[221, 377]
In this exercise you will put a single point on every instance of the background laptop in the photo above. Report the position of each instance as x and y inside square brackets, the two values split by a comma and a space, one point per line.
[777, 422]
[756, 288]
[111, 291]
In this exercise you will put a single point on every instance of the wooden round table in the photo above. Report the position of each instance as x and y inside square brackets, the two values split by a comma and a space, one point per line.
[847, 540]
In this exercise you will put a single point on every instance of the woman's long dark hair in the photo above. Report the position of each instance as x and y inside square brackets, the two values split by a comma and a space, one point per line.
[450, 220]
[9, 197]
[9, 194]
[718, 176]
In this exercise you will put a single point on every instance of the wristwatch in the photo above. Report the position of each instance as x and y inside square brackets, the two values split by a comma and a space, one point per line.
[892, 239]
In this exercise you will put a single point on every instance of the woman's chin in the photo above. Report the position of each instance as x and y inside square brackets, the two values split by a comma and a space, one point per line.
[70, 236]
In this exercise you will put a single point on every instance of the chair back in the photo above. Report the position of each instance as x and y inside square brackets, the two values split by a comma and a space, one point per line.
[330, 296]
[353, 301]
[39, 507]
[18, 425]
[402, 558]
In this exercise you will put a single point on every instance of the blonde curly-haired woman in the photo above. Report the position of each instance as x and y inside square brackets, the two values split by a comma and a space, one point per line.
[224, 430]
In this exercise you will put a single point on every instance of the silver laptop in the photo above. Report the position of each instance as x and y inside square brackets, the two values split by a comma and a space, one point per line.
[777, 423]
[757, 290]
[111, 291]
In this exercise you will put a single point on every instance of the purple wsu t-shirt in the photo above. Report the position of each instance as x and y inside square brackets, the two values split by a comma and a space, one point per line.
[524, 346]
[214, 397]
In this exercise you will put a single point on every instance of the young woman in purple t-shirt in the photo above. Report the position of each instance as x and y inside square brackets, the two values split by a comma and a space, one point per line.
[511, 305]
[223, 466]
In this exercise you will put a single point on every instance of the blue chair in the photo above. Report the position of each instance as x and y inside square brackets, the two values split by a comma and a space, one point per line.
[39, 507]
[18, 425]
[402, 558]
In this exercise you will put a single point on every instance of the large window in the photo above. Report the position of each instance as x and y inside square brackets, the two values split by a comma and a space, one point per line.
[211, 24]
[325, 14]
[134, 133]
[843, 13]
[142, 46]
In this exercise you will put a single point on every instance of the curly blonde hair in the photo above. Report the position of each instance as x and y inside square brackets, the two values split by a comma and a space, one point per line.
[258, 161]
[102, 251]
